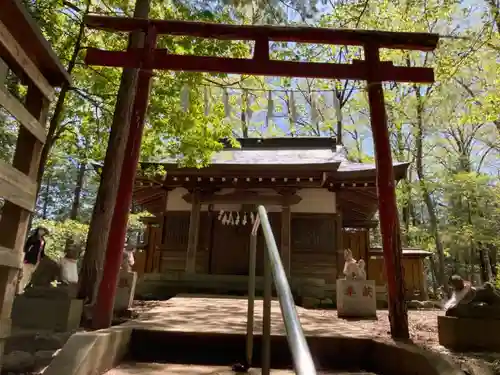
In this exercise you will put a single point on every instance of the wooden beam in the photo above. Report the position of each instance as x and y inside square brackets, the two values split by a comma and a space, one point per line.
[237, 170]
[384, 39]
[243, 198]
[16, 109]
[16, 187]
[194, 226]
[16, 52]
[164, 60]
[241, 184]
[360, 223]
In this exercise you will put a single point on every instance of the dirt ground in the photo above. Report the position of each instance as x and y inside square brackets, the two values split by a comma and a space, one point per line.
[229, 315]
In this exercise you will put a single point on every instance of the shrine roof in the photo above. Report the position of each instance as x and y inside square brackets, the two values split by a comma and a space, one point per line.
[276, 152]
[276, 157]
[316, 153]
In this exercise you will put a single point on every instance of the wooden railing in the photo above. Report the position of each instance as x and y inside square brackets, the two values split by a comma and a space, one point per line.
[18, 185]
[24, 52]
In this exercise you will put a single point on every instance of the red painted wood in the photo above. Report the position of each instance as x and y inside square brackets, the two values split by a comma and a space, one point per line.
[388, 212]
[165, 61]
[103, 310]
[384, 39]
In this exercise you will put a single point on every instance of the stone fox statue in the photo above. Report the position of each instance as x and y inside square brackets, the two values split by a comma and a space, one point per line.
[353, 270]
[470, 302]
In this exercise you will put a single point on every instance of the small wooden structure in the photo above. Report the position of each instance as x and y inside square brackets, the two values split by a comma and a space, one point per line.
[319, 204]
[24, 51]
[414, 271]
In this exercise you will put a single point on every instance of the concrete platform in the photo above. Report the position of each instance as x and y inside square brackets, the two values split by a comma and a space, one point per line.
[206, 335]
[223, 314]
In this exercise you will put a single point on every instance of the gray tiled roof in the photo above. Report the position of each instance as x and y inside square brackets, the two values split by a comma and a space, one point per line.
[348, 166]
[264, 157]
[284, 156]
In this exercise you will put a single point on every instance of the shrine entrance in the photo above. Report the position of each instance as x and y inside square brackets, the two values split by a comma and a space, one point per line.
[371, 69]
[230, 250]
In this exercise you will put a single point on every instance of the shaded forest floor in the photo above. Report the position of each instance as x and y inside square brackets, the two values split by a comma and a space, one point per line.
[204, 314]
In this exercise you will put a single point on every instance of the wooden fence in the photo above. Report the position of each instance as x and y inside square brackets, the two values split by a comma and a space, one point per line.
[24, 52]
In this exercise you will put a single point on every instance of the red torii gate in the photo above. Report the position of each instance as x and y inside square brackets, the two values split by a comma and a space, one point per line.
[371, 70]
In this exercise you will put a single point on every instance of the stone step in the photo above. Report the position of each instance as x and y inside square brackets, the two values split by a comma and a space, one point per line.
[183, 369]
[35, 340]
[28, 350]
[21, 362]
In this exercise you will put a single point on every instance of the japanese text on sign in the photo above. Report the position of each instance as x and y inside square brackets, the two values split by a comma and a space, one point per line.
[349, 291]
[367, 291]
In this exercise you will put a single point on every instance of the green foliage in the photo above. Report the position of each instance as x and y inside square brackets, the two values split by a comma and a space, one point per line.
[61, 231]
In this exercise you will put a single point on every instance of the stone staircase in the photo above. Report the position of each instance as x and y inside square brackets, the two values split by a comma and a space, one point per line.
[30, 351]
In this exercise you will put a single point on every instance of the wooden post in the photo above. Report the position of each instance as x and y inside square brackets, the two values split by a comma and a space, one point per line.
[164, 219]
[286, 217]
[102, 215]
[103, 309]
[389, 222]
[339, 243]
[194, 226]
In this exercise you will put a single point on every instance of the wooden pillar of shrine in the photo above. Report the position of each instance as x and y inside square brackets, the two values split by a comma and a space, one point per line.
[286, 216]
[339, 243]
[194, 228]
[164, 218]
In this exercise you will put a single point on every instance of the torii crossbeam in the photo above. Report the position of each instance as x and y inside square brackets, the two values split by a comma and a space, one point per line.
[371, 70]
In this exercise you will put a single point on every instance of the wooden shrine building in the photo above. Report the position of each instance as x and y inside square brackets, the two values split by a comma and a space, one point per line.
[319, 203]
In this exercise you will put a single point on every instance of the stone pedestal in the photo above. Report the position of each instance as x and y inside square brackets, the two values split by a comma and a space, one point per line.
[356, 298]
[469, 334]
[57, 314]
[125, 291]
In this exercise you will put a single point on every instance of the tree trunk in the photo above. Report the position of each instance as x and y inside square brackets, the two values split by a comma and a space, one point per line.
[486, 271]
[492, 253]
[406, 212]
[46, 198]
[244, 125]
[435, 284]
[97, 240]
[429, 203]
[59, 107]
[82, 167]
